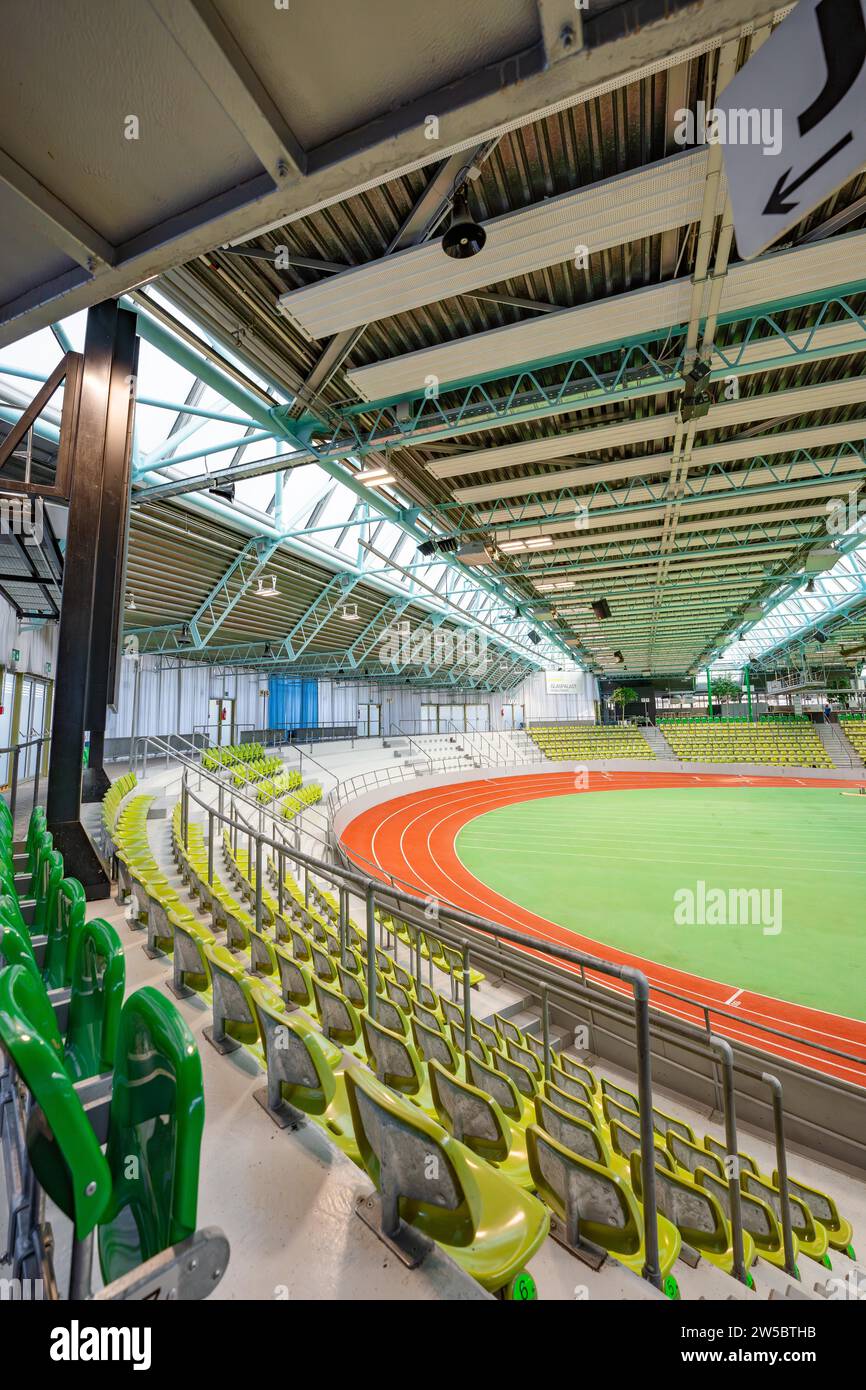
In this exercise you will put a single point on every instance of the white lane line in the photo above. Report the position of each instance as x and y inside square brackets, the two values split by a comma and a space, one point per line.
[445, 797]
[734, 998]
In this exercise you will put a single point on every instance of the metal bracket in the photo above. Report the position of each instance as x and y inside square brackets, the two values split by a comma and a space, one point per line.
[585, 1250]
[185, 1272]
[410, 1247]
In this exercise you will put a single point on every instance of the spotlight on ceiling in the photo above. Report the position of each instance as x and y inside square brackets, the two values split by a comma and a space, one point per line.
[224, 490]
[601, 608]
[268, 651]
[533, 637]
[183, 638]
[464, 237]
[810, 587]
[618, 656]
[696, 398]
[820, 637]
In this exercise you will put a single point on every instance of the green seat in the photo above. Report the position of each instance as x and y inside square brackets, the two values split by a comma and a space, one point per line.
[596, 1204]
[155, 1126]
[97, 982]
[485, 1222]
[65, 918]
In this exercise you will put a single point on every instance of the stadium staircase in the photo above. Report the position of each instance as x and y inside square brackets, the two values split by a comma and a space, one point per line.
[658, 743]
[526, 1145]
[839, 747]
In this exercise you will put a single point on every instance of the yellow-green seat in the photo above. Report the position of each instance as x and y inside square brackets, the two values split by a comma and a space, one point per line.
[758, 1218]
[840, 1232]
[301, 1070]
[485, 1222]
[812, 1235]
[339, 1019]
[596, 1204]
[396, 1063]
[697, 1215]
[477, 1121]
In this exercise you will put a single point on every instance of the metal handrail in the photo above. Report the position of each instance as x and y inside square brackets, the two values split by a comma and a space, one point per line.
[15, 749]
[373, 893]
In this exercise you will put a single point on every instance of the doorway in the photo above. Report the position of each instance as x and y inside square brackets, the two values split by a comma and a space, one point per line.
[369, 721]
[221, 721]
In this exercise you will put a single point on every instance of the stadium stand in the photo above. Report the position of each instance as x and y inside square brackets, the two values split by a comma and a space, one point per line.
[782, 744]
[585, 742]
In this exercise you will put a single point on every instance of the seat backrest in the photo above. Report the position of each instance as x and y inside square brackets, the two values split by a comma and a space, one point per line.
[399, 996]
[667, 1124]
[758, 1217]
[49, 872]
[339, 1019]
[65, 918]
[625, 1141]
[452, 1011]
[428, 1017]
[692, 1156]
[591, 1200]
[523, 1079]
[391, 1017]
[412, 1160]
[801, 1217]
[575, 1134]
[154, 1134]
[476, 1046]
[820, 1204]
[433, 1046]
[692, 1209]
[323, 965]
[353, 986]
[572, 1105]
[619, 1094]
[496, 1084]
[471, 1116]
[294, 1056]
[525, 1057]
[575, 1068]
[97, 982]
[295, 983]
[16, 947]
[62, 1147]
[572, 1085]
[612, 1110]
[391, 1057]
[488, 1035]
[713, 1146]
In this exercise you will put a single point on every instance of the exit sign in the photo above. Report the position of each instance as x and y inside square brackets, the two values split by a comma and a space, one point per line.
[16, 655]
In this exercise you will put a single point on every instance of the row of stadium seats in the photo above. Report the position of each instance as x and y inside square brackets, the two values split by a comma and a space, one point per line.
[297, 1000]
[64, 1026]
[734, 719]
[584, 741]
[788, 746]
[854, 729]
[231, 755]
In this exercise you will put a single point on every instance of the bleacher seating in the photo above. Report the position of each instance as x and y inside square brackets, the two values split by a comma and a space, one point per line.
[776, 741]
[514, 1147]
[74, 1050]
[583, 742]
[854, 729]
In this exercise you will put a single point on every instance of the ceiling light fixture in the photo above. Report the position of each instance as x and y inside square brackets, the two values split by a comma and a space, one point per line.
[266, 590]
[350, 612]
[374, 477]
[130, 603]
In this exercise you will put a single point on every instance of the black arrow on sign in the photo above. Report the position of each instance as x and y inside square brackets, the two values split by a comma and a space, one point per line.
[843, 38]
[776, 205]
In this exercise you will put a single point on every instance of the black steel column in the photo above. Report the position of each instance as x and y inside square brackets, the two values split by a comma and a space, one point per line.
[92, 584]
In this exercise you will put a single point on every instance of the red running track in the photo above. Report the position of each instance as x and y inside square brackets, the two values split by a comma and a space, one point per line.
[412, 838]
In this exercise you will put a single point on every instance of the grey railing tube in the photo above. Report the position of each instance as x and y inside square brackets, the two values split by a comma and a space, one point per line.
[726, 1054]
[640, 985]
[775, 1086]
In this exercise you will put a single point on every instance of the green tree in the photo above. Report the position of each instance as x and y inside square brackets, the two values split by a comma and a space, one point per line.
[622, 696]
[726, 689]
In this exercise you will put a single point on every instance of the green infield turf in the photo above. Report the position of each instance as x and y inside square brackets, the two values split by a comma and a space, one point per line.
[782, 909]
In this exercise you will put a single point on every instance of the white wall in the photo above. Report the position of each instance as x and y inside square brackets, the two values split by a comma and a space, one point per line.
[37, 646]
[175, 700]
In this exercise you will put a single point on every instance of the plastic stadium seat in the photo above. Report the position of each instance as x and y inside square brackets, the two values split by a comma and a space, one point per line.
[597, 1205]
[485, 1222]
[839, 1230]
[396, 1063]
[477, 1121]
[812, 1235]
[758, 1218]
[697, 1215]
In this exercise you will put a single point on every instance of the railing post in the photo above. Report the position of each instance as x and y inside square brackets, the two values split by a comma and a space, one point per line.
[184, 813]
[13, 790]
[306, 886]
[725, 1052]
[258, 884]
[39, 743]
[651, 1269]
[210, 849]
[417, 959]
[344, 924]
[545, 1029]
[775, 1086]
[281, 873]
[371, 951]
[467, 1006]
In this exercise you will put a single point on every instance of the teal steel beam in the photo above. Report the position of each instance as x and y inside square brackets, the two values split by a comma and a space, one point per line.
[230, 589]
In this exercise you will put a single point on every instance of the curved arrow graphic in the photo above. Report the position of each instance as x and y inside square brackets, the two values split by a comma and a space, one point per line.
[843, 38]
[776, 204]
